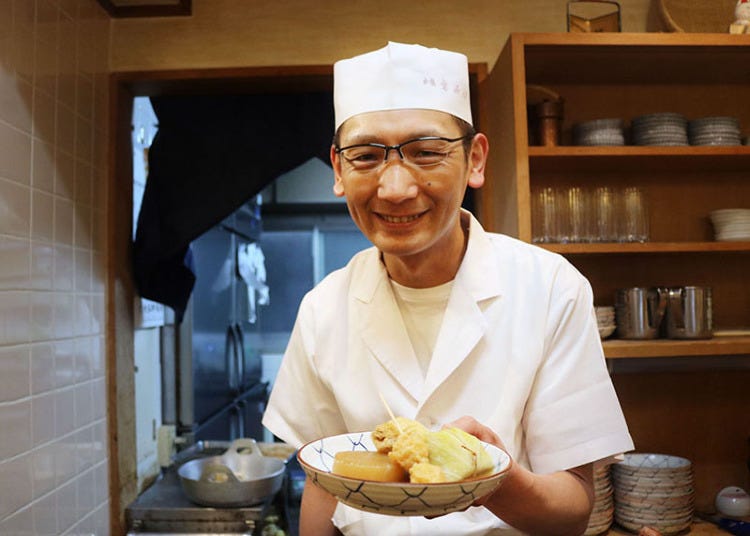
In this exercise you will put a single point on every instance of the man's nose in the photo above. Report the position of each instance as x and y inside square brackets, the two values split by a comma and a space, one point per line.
[396, 182]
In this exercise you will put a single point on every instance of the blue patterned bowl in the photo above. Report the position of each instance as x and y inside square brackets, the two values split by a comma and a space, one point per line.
[394, 498]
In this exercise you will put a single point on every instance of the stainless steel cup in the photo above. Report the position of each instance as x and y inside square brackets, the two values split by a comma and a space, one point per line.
[689, 313]
[639, 312]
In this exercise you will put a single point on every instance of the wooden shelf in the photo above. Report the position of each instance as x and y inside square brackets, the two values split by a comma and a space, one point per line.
[630, 151]
[622, 349]
[698, 528]
[638, 159]
[628, 58]
[647, 247]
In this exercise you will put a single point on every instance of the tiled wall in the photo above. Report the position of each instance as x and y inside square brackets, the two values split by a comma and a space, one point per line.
[53, 105]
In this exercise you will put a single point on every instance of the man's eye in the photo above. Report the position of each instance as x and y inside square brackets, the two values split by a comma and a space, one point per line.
[426, 154]
[364, 156]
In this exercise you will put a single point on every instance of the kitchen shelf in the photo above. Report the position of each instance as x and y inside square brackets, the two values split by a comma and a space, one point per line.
[624, 349]
[624, 75]
[640, 158]
[647, 247]
[699, 528]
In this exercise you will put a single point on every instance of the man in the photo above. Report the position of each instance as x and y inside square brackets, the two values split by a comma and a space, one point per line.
[451, 324]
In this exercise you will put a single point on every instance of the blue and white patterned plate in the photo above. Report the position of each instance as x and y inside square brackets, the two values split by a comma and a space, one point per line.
[394, 498]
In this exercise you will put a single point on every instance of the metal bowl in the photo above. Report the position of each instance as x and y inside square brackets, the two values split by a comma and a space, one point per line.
[236, 478]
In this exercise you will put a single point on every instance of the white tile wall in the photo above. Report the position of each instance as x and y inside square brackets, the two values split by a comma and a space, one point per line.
[53, 94]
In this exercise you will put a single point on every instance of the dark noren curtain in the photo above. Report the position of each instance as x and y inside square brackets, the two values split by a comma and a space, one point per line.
[210, 155]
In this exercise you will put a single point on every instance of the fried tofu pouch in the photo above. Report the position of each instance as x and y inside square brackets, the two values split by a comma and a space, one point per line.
[385, 434]
[447, 455]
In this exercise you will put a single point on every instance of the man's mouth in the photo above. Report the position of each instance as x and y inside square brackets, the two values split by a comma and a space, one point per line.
[400, 219]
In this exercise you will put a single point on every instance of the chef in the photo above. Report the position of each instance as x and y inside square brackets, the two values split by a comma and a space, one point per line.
[450, 323]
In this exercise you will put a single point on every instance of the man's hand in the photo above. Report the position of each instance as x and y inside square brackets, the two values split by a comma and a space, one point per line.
[477, 429]
[555, 504]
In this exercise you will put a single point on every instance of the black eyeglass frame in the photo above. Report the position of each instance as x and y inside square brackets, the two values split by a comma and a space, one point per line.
[397, 147]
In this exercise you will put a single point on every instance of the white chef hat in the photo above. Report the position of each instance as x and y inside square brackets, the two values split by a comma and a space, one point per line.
[400, 76]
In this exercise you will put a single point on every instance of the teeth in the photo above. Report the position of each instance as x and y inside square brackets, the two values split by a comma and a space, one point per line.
[399, 219]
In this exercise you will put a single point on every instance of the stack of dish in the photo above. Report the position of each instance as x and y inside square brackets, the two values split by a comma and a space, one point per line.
[604, 504]
[653, 490]
[599, 132]
[605, 320]
[715, 131]
[665, 128]
[731, 224]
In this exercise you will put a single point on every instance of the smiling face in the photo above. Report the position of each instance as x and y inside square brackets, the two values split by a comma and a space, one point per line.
[410, 213]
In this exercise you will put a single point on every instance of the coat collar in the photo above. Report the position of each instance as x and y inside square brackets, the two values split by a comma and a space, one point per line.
[464, 323]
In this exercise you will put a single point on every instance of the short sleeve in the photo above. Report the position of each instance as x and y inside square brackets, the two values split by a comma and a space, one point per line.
[301, 407]
[573, 416]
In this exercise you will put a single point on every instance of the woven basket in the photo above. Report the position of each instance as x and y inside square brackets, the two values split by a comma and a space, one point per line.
[697, 16]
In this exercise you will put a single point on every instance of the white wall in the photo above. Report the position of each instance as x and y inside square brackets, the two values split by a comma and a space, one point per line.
[53, 143]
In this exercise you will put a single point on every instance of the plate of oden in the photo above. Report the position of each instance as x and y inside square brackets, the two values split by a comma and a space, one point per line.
[403, 469]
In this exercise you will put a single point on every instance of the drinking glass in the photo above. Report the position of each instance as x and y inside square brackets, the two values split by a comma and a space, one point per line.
[605, 214]
[575, 227]
[545, 216]
[634, 227]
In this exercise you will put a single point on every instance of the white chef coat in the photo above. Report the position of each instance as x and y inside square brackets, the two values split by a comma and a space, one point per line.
[519, 350]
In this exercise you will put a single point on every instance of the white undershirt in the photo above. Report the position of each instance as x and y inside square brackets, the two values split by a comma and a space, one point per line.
[422, 310]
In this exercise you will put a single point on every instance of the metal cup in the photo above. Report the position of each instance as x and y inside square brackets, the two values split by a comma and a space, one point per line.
[639, 312]
[689, 313]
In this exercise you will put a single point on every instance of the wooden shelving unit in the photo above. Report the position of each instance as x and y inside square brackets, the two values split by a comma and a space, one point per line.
[622, 349]
[702, 413]
[623, 76]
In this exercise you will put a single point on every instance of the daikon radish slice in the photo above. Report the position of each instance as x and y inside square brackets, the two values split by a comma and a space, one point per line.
[364, 465]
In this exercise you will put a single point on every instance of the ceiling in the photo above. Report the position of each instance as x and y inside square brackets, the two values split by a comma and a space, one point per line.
[147, 8]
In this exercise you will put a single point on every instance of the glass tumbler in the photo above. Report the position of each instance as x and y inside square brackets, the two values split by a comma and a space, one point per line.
[605, 214]
[575, 227]
[634, 226]
[545, 216]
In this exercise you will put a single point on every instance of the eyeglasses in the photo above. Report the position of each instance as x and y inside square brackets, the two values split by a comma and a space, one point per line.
[421, 152]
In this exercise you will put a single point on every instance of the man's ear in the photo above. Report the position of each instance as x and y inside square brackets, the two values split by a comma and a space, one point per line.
[338, 185]
[480, 147]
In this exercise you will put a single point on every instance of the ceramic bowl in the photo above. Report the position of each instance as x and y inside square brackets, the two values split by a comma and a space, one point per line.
[733, 501]
[394, 498]
[606, 331]
[651, 464]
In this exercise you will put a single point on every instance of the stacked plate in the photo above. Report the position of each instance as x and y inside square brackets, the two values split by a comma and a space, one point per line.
[605, 320]
[715, 131]
[653, 490]
[731, 224]
[599, 132]
[604, 504]
[665, 128]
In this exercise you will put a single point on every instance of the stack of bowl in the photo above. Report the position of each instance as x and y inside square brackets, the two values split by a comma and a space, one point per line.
[665, 128]
[599, 132]
[715, 131]
[731, 224]
[604, 506]
[605, 320]
[653, 490]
